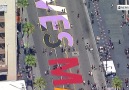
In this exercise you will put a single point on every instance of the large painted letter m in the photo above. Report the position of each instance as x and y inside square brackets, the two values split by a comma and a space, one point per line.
[68, 78]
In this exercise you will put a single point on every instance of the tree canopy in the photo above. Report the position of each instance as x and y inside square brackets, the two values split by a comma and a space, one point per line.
[22, 3]
[30, 60]
[39, 83]
[28, 28]
[117, 83]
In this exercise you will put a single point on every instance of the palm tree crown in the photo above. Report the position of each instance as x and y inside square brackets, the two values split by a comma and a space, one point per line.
[39, 83]
[117, 83]
[22, 3]
[28, 28]
[30, 60]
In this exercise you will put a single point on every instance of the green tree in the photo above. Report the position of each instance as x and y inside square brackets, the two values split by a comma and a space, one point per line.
[39, 83]
[22, 3]
[30, 60]
[28, 28]
[117, 83]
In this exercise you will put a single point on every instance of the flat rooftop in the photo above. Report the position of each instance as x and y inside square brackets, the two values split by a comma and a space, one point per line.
[13, 85]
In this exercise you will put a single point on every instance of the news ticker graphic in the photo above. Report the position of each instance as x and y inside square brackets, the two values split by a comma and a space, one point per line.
[122, 7]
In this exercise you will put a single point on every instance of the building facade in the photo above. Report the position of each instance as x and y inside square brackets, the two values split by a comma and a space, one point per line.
[8, 40]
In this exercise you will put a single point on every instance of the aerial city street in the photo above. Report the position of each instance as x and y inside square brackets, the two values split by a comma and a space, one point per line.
[65, 45]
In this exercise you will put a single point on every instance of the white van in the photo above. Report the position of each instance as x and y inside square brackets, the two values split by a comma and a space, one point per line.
[109, 68]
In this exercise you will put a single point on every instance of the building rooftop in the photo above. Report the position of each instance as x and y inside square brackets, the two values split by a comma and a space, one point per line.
[13, 85]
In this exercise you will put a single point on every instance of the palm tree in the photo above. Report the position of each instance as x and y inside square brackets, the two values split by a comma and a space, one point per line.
[22, 3]
[30, 60]
[117, 83]
[40, 83]
[28, 28]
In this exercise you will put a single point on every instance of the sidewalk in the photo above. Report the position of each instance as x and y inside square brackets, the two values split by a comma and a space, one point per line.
[111, 20]
[35, 70]
[99, 77]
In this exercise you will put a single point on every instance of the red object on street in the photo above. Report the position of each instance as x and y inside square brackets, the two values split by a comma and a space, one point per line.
[67, 63]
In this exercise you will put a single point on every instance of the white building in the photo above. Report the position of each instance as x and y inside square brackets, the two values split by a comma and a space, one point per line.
[13, 85]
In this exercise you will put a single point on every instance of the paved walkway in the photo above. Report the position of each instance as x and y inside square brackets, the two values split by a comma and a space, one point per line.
[111, 20]
[23, 40]
[82, 28]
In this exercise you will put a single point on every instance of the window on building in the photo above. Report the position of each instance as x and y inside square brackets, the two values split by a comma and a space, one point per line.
[1, 13]
[2, 45]
[2, 24]
[3, 77]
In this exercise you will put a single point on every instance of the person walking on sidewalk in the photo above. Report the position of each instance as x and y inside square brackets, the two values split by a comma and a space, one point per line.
[92, 67]
[71, 25]
[88, 82]
[108, 31]
[97, 12]
[77, 42]
[22, 10]
[119, 42]
[25, 19]
[46, 72]
[84, 82]
[112, 5]
[77, 71]
[127, 66]
[50, 53]
[118, 65]
[78, 15]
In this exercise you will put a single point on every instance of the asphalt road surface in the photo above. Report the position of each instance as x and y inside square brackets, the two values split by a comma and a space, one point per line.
[80, 29]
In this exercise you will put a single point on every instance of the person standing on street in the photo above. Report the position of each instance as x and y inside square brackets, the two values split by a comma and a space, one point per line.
[97, 12]
[119, 42]
[71, 25]
[84, 82]
[112, 5]
[25, 19]
[22, 10]
[127, 66]
[78, 15]
[77, 42]
[118, 65]
[108, 31]
[92, 67]
[88, 82]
